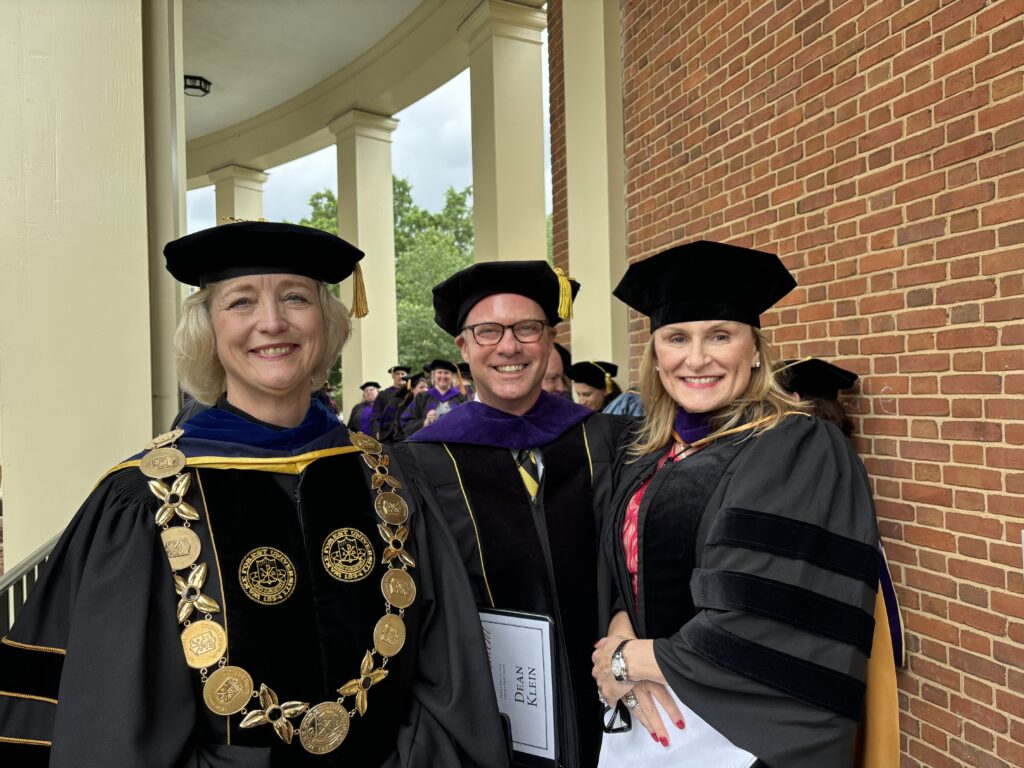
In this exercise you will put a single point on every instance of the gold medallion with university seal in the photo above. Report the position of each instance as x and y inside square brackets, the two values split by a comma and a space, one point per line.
[181, 545]
[204, 642]
[324, 727]
[267, 575]
[348, 555]
[365, 442]
[228, 690]
[391, 507]
[389, 635]
[398, 587]
[162, 462]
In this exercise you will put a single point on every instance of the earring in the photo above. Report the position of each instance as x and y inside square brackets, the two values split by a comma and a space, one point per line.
[657, 367]
[757, 363]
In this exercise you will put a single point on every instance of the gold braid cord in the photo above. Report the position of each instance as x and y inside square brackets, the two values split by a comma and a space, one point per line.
[229, 690]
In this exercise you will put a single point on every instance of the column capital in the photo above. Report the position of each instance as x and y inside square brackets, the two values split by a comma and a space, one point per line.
[367, 125]
[246, 177]
[501, 18]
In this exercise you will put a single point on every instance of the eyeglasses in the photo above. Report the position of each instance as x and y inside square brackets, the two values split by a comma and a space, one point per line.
[489, 334]
[616, 719]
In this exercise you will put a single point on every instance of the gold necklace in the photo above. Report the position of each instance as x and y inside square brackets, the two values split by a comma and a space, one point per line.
[228, 690]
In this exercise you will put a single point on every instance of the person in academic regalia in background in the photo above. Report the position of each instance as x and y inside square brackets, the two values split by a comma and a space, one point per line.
[555, 381]
[594, 384]
[439, 399]
[216, 602]
[817, 383]
[464, 380]
[521, 474]
[362, 413]
[385, 406]
[742, 540]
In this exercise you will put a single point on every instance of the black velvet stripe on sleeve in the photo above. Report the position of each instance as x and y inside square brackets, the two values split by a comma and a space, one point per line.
[798, 678]
[822, 615]
[797, 540]
[23, 755]
[29, 672]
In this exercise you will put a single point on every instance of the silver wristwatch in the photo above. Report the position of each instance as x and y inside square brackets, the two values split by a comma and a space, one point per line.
[619, 669]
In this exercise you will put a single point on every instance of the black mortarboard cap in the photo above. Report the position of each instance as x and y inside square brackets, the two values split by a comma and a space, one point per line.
[563, 353]
[815, 378]
[259, 248]
[366, 384]
[464, 371]
[597, 374]
[705, 281]
[416, 378]
[440, 365]
[456, 296]
[402, 368]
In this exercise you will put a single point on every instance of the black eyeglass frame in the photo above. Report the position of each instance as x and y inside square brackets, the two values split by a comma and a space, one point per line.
[472, 329]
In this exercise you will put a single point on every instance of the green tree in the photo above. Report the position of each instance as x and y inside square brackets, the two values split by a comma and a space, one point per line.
[428, 248]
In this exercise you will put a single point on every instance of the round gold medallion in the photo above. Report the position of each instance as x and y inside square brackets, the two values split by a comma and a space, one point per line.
[267, 575]
[228, 690]
[398, 587]
[181, 545]
[389, 635]
[348, 555]
[205, 643]
[364, 442]
[165, 439]
[162, 462]
[324, 727]
[391, 507]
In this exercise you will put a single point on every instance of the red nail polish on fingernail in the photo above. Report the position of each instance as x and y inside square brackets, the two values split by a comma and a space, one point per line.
[664, 742]
[654, 735]
[680, 724]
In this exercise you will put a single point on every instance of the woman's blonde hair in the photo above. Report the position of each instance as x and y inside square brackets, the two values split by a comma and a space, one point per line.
[200, 372]
[764, 398]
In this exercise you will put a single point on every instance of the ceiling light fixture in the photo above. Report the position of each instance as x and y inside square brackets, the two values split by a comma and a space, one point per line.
[197, 85]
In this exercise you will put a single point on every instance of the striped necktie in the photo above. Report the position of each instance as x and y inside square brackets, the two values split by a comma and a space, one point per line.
[526, 462]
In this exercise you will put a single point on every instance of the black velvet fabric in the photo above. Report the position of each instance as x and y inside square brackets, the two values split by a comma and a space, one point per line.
[729, 591]
[310, 644]
[797, 677]
[795, 539]
[18, 755]
[29, 672]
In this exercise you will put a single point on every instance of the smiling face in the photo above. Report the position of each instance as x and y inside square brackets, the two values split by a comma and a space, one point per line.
[270, 337]
[589, 397]
[705, 365]
[369, 394]
[507, 375]
[442, 380]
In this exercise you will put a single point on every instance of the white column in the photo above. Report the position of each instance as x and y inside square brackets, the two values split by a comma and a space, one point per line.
[239, 192]
[165, 189]
[366, 218]
[504, 48]
[75, 383]
[595, 179]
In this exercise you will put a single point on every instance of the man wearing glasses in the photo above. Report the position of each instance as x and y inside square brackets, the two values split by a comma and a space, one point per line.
[520, 475]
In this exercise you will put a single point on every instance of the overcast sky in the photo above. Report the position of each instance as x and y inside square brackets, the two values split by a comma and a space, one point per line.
[431, 148]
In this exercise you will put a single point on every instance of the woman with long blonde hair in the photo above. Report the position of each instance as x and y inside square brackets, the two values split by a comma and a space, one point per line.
[741, 539]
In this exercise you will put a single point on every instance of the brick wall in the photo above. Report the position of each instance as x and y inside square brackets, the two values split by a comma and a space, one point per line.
[878, 148]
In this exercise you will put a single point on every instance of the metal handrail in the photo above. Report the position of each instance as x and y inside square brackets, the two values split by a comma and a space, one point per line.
[16, 583]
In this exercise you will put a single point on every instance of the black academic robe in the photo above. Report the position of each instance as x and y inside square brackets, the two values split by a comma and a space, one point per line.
[384, 421]
[539, 557]
[93, 673]
[411, 417]
[758, 567]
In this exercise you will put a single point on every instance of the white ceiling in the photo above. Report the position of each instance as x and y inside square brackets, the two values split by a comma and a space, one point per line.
[260, 53]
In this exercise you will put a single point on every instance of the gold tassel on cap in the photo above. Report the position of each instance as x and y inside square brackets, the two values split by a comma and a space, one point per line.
[608, 386]
[564, 295]
[359, 307]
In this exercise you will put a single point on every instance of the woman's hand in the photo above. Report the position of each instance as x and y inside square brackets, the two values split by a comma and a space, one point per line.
[639, 694]
[430, 418]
